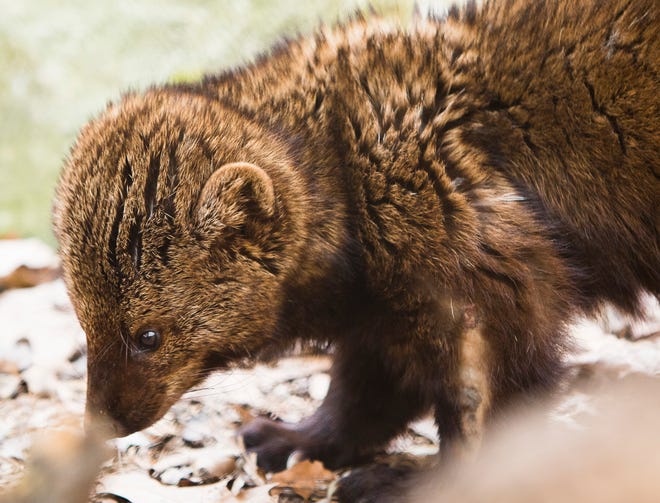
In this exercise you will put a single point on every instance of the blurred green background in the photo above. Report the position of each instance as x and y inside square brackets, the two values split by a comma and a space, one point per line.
[62, 60]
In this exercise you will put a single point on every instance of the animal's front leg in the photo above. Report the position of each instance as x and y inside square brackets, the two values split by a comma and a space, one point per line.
[460, 385]
[365, 407]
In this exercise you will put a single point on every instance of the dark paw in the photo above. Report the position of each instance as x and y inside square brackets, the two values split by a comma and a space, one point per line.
[375, 484]
[273, 442]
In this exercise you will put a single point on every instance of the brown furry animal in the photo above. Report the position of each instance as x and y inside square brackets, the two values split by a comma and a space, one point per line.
[419, 199]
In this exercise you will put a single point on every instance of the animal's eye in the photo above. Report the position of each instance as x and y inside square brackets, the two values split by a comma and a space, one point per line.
[149, 340]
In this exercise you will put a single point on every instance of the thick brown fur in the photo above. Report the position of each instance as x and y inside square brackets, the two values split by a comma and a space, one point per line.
[493, 173]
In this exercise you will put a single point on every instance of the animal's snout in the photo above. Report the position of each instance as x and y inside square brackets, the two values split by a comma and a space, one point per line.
[98, 423]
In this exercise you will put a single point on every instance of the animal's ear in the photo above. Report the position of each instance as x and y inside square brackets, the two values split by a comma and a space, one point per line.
[235, 195]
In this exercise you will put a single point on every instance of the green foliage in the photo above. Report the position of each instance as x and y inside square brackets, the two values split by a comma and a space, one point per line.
[61, 61]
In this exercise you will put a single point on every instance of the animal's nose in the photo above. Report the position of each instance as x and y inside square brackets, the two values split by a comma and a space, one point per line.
[98, 423]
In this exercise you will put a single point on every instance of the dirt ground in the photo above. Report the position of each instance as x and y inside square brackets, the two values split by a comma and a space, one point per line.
[193, 454]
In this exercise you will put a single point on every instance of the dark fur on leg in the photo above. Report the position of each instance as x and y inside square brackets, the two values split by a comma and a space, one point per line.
[342, 431]
[376, 484]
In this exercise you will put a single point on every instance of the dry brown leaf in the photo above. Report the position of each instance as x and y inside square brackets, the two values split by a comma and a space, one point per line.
[25, 277]
[221, 467]
[304, 478]
[244, 413]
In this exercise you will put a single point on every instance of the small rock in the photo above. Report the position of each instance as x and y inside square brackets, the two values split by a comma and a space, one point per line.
[176, 460]
[16, 447]
[174, 475]
[298, 387]
[41, 381]
[11, 386]
[213, 465]
[223, 467]
[78, 353]
[20, 354]
[319, 385]
[426, 428]
[137, 439]
[196, 432]
[236, 485]
[281, 392]
[75, 366]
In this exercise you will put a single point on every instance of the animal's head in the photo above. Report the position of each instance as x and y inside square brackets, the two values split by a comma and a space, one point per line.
[171, 229]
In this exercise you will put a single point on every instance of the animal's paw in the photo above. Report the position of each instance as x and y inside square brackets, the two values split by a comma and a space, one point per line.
[375, 484]
[313, 439]
[273, 442]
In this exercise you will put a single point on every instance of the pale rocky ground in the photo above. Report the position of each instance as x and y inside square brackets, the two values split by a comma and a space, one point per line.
[193, 454]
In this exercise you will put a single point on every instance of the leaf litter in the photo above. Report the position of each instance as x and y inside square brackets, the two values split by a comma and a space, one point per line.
[193, 453]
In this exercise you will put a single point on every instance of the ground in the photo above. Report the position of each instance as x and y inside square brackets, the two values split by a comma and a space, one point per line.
[193, 453]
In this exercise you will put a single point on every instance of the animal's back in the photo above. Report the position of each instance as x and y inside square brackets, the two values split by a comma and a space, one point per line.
[573, 120]
[556, 102]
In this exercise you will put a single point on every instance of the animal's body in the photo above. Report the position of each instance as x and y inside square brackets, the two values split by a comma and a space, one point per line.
[414, 197]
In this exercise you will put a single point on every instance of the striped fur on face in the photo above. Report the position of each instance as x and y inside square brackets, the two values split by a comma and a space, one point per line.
[134, 247]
